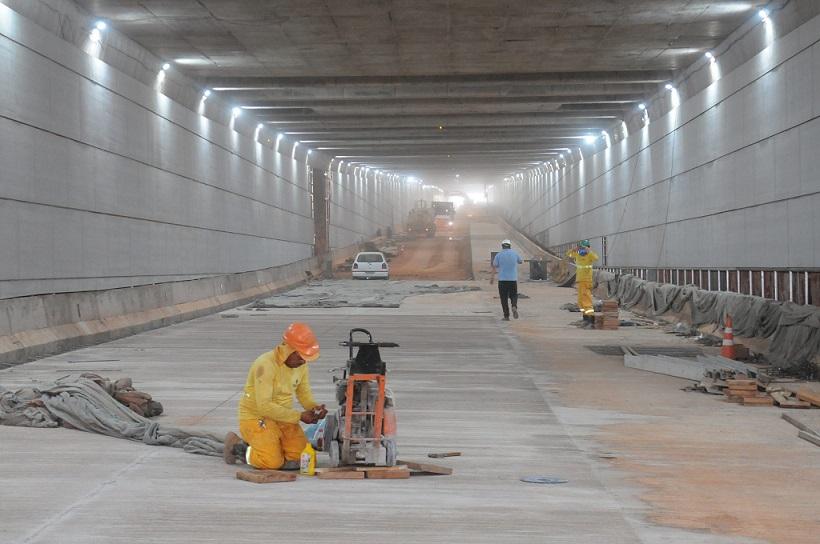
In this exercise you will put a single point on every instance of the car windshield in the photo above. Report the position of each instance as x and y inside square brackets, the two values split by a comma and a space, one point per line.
[369, 258]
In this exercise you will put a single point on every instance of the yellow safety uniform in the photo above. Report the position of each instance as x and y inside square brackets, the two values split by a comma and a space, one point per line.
[267, 420]
[583, 278]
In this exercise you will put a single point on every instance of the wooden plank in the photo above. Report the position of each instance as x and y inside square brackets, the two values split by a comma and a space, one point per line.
[809, 396]
[740, 392]
[758, 401]
[399, 466]
[809, 437]
[445, 454]
[428, 468]
[785, 401]
[348, 468]
[265, 476]
[740, 384]
[341, 475]
[402, 474]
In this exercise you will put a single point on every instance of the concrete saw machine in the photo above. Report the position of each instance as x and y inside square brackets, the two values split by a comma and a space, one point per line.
[363, 429]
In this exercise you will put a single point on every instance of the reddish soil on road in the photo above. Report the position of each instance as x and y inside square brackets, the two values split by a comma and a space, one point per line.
[437, 258]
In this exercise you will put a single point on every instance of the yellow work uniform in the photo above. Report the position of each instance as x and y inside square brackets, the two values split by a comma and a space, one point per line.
[583, 278]
[267, 420]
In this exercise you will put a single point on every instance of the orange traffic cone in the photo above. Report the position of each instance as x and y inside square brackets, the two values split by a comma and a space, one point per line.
[728, 348]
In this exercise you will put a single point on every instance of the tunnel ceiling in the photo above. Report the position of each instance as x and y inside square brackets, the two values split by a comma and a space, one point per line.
[431, 87]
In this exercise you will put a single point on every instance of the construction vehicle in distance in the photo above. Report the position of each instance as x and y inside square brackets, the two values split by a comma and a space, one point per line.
[444, 216]
[420, 220]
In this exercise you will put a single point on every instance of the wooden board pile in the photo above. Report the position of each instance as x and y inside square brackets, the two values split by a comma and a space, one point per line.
[744, 390]
[608, 319]
[740, 388]
[403, 470]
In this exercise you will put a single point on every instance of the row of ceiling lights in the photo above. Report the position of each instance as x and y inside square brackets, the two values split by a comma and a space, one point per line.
[95, 38]
[100, 26]
[591, 139]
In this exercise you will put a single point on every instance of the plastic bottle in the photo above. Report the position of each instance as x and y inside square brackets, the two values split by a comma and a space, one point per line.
[307, 461]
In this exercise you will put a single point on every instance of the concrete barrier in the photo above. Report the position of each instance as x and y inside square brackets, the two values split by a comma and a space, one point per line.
[39, 325]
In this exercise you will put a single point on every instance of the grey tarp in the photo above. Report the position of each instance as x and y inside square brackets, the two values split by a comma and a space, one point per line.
[793, 330]
[81, 403]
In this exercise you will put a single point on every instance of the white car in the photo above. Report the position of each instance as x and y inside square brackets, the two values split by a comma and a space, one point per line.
[370, 264]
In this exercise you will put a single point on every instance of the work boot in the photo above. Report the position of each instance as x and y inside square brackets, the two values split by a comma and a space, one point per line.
[515, 311]
[290, 465]
[234, 449]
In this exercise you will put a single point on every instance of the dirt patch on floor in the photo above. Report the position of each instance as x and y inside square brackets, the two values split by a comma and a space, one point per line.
[701, 463]
[439, 258]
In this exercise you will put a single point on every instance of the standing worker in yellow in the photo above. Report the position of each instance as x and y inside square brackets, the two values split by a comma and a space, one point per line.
[268, 423]
[584, 258]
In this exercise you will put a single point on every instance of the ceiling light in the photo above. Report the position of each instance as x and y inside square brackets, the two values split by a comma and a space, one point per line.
[669, 86]
[166, 66]
[642, 107]
[236, 111]
[100, 25]
[763, 14]
[589, 138]
[207, 93]
[710, 56]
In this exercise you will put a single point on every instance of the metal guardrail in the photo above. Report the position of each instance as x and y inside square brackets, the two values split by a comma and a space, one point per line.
[798, 286]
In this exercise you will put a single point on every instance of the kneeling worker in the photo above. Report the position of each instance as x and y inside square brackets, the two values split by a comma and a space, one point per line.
[584, 258]
[268, 423]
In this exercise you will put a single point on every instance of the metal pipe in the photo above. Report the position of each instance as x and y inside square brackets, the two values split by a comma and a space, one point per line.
[775, 284]
[791, 286]
[806, 275]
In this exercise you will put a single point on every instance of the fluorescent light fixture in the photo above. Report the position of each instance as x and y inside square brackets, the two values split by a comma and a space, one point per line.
[192, 61]
[309, 151]
[763, 14]
[100, 25]
[642, 107]
[236, 111]
[206, 93]
[590, 139]
[709, 55]
[669, 86]
[166, 66]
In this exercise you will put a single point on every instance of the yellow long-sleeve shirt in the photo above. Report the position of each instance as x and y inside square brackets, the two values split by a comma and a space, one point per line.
[583, 264]
[271, 385]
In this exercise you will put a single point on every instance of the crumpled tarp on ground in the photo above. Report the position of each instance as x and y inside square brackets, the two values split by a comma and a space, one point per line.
[80, 402]
[793, 330]
[355, 293]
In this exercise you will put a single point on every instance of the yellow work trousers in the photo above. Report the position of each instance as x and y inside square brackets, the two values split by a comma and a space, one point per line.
[271, 443]
[585, 297]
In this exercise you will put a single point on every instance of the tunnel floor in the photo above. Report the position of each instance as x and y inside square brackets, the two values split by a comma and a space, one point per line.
[644, 461]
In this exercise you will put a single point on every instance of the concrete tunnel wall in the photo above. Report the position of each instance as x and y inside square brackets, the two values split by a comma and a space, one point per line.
[730, 178]
[106, 182]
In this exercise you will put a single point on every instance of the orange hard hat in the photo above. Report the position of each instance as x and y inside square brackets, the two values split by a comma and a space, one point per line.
[300, 337]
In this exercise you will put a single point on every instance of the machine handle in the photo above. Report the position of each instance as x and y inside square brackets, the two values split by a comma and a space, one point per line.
[350, 343]
[365, 331]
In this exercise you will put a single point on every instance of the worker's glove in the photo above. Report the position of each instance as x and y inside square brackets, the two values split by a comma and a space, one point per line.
[308, 417]
[320, 411]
